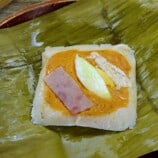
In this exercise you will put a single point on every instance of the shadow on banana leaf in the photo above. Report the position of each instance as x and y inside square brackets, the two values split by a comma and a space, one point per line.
[79, 132]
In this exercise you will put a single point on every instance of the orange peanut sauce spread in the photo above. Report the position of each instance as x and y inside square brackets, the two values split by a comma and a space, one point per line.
[100, 106]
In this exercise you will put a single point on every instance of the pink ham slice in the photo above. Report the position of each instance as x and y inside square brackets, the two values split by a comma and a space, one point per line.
[62, 84]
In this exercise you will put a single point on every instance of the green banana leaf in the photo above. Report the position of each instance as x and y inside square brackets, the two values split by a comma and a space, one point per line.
[133, 22]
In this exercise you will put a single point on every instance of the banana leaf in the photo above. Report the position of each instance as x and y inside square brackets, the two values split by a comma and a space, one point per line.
[131, 22]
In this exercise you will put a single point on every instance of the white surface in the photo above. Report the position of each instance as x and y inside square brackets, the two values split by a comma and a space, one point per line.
[118, 120]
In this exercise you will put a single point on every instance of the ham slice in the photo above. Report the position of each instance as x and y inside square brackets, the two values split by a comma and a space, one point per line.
[63, 85]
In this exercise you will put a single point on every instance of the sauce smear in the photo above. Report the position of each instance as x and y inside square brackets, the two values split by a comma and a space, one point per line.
[100, 106]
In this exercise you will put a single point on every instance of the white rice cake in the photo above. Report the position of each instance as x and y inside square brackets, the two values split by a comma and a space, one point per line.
[118, 120]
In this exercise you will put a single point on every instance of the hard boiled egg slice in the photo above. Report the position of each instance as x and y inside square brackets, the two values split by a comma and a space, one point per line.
[90, 78]
[106, 78]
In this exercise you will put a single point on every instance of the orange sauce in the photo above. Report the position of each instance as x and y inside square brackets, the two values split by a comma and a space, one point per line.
[100, 106]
